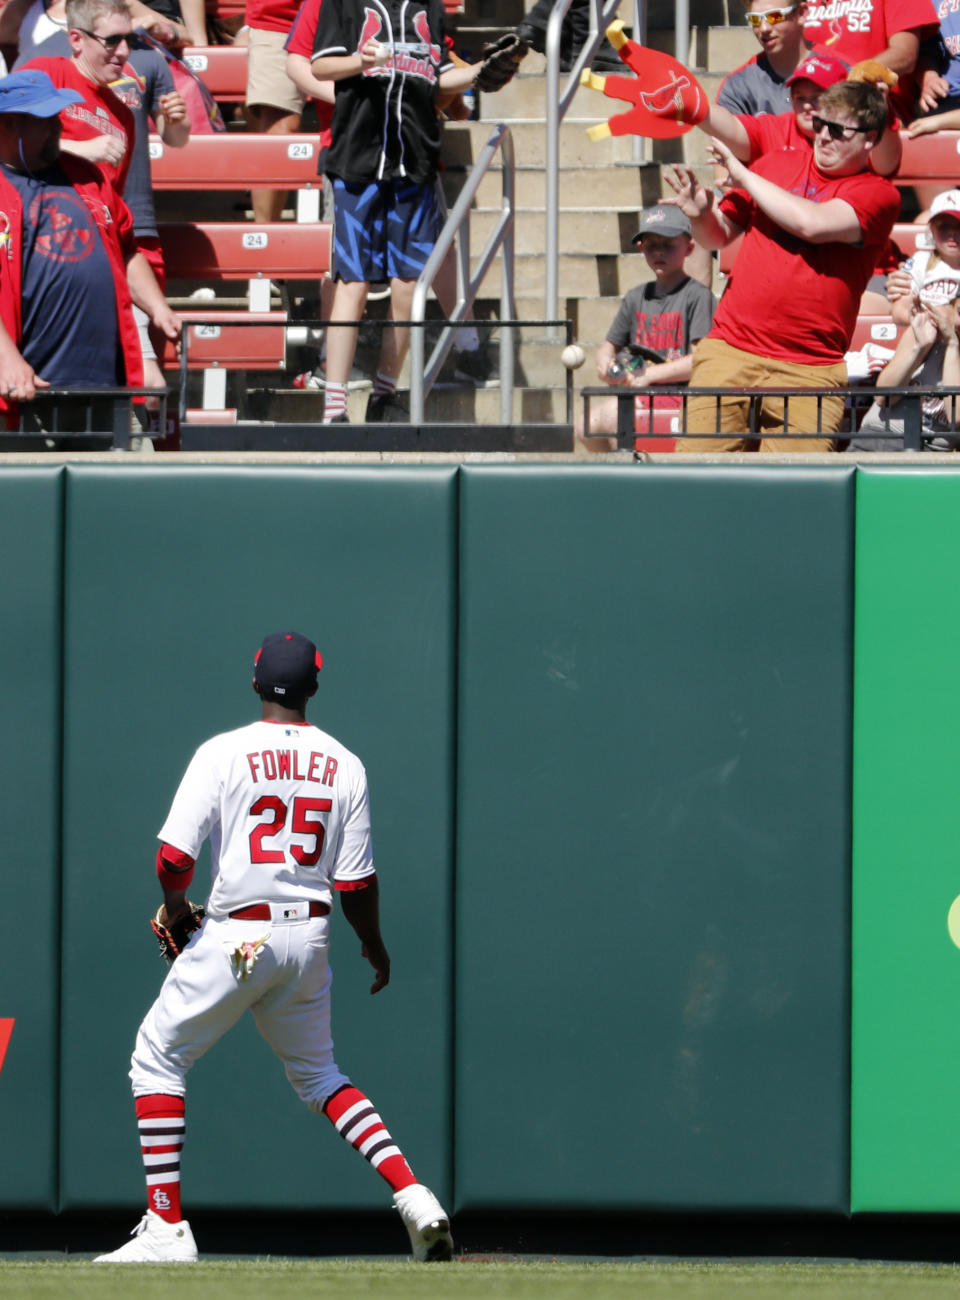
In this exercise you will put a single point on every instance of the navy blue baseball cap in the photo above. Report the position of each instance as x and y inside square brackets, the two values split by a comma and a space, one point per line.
[32, 92]
[286, 665]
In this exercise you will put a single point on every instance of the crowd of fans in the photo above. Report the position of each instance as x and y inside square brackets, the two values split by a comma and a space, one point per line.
[806, 138]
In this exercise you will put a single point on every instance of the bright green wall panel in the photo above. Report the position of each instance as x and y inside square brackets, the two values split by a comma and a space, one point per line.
[173, 577]
[30, 593]
[906, 839]
[653, 838]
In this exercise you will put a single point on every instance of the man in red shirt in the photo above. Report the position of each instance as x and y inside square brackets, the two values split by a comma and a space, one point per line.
[889, 31]
[749, 137]
[814, 224]
[100, 128]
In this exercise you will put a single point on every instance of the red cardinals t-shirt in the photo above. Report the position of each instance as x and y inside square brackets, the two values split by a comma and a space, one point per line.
[770, 132]
[790, 299]
[271, 15]
[100, 113]
[854, 30]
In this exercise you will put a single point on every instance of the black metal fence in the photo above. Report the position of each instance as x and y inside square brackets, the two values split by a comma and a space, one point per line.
[661, 413]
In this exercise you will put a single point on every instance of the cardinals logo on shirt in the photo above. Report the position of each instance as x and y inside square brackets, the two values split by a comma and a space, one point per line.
[420, 58]
[63, 230]
[422, 28]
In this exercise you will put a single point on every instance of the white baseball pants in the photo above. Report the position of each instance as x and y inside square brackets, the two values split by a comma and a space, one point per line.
[288, 992]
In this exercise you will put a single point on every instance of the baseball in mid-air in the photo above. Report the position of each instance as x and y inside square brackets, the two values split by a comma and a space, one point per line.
[573, 356]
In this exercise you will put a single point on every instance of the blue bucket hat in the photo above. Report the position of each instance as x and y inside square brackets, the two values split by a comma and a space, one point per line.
[32, 92]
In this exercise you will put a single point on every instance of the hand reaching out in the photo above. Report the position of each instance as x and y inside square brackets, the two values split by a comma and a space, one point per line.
[692, 198]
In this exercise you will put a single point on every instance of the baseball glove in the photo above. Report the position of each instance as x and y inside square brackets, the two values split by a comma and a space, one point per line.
[501, 58]
[173, 938]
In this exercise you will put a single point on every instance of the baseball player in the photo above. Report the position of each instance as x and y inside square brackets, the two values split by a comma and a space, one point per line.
[285, 808]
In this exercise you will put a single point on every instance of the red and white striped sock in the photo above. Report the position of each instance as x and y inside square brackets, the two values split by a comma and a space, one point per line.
[384, 385]
[355, 1118]
[334, 401]
[162, 1130]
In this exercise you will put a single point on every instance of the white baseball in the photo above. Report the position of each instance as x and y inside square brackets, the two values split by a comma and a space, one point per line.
[573, 356]
[381, 54]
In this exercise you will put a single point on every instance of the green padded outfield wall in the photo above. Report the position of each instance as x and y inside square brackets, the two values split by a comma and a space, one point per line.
[30, 591]
[906, 843]
[653, 838]
[173, 576]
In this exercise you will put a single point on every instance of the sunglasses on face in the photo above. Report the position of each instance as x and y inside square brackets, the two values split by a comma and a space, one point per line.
[108, 42]
[837, 130]
[771, 16]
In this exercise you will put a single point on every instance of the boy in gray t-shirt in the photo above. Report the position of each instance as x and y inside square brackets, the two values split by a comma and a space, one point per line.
[669, 314]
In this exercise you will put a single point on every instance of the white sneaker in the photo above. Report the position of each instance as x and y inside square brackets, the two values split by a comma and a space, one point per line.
[155, 1242]
[426, 1221]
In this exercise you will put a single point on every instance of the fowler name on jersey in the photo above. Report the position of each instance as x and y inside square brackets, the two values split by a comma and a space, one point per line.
[285, 765]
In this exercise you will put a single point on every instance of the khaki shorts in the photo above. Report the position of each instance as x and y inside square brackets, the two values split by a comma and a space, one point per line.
[717, 364]
[267, 80]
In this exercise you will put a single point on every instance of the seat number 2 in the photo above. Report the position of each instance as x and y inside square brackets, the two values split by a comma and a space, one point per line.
[305, 821]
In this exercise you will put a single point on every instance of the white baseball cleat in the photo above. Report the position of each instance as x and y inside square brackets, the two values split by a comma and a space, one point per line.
[155, 1242]
[426, 1221]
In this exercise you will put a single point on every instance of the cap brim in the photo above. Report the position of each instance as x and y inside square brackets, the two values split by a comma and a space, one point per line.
[669, 231]
[48, 107]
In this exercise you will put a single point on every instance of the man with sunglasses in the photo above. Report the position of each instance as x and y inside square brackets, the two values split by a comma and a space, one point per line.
[814, 223]
[100, 128]
[760, 84]
[750, 137]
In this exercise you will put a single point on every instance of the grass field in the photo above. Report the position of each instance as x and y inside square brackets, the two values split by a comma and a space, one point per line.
[471, 1279]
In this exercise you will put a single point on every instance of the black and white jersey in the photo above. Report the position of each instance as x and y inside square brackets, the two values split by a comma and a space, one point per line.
[385, 125]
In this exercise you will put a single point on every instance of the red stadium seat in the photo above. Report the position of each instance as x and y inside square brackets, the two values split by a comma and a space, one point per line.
[874, 329]
[235, 161]
[222, 69]
[233, 340]
[930, 158]
[239, 250]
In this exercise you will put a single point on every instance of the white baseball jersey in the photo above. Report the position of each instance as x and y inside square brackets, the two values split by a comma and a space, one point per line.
[285, 808]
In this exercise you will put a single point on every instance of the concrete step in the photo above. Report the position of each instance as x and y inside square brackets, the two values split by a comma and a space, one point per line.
[464, 141]
[580, 275]
[625, 185]
[580, 229]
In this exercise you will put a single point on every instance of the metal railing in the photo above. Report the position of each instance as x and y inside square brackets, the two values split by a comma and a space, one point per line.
[422, 377]
[602, 13]
[639, 407]
[67, 414]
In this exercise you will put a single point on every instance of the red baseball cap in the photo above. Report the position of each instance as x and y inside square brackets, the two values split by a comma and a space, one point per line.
[824, 70]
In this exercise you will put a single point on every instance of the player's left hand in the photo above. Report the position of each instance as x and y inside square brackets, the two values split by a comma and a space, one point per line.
[378, 957]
